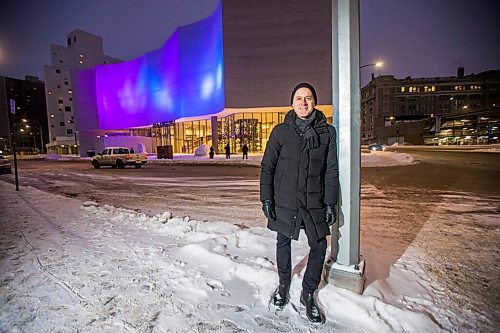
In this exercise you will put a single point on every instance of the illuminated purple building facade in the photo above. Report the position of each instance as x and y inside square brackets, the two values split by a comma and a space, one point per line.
[225, 79]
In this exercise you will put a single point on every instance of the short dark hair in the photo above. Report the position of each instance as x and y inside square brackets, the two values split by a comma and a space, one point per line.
[304, 85]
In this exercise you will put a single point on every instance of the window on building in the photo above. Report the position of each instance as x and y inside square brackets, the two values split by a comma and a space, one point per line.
[52, 126]
[70, 91]
[49, 92]
[70, 121]
[67, 108]
[58, 86]
[58, 71]
[52, 116]
[81, 61]
[69, 41]
[61, 123]
[60, 61]
[69, 131]
[60, 101]
[71, 98]
[74, 38]
[403, 89]
[66, 83]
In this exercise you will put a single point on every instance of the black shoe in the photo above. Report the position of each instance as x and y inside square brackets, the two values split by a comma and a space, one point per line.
[313, 312]
[281, 295]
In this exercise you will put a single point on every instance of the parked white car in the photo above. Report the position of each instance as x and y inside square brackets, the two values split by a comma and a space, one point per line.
[118, 157]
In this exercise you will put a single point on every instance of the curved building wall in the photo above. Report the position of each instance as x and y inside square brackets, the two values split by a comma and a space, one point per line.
[270, 46]
[183, 78]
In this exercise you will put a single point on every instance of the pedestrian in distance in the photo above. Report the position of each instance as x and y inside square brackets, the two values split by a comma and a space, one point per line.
[299, 189]
[228, 151]
[211, 153]
[244, 149]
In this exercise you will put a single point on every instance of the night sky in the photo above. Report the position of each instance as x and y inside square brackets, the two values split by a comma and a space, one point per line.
[424, 38]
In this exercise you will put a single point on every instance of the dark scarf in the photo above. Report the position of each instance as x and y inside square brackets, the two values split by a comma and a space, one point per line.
[306, 127]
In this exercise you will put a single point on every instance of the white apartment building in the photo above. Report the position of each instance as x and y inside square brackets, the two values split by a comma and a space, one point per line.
[84, 50]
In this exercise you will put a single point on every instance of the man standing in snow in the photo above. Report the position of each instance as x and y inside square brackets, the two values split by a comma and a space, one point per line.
[299, 189]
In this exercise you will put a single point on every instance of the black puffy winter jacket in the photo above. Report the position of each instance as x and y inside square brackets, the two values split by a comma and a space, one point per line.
[300, 180]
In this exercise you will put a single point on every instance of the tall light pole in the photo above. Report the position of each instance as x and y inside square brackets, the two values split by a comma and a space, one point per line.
[12, 137]
[345, 268]
[37, 124]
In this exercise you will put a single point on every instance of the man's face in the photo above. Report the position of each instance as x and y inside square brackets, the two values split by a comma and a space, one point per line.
[303, 102]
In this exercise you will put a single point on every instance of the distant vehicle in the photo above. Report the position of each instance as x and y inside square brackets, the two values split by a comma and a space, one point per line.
[5, 165]
[118, 157]
[376, 147]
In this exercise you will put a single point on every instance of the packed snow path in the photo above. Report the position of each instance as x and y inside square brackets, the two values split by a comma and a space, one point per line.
[80, 267]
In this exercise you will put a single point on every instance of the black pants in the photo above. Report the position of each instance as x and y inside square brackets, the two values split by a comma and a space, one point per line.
[315, 262]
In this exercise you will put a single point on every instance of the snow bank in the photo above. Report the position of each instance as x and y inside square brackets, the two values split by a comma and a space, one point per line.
[84, 267]
[374, 159]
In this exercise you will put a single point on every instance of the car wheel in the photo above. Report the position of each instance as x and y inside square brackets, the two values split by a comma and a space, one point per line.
[138, 166]
[96, 164]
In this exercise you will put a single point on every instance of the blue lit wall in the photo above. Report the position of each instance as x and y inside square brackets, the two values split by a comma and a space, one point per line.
[183, 78]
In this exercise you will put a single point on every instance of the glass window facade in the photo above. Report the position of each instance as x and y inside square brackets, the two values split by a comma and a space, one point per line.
[251, 128]
[237, 129]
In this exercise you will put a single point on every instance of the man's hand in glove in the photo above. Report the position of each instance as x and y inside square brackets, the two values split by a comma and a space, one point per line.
[268, 209]
[330, 214]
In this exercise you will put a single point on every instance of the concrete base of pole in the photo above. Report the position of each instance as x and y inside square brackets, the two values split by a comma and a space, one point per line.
[347, 277]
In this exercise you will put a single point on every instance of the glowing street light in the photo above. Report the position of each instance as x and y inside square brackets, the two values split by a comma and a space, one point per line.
[36, 124]
[376, 64]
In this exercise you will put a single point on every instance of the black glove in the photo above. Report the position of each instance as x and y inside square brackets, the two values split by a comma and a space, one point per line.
[330, 214]
[268, 209]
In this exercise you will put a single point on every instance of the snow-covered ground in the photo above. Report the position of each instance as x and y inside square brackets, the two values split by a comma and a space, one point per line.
[90, 268]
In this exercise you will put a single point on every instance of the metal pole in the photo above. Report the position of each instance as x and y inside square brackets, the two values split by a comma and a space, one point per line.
[41, 139]
[14, 152]
[34, 142]
[12, 144]
[347, 271]
[16, 176]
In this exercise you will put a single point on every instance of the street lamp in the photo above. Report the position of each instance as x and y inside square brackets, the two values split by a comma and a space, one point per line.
[36, 124]
[377, 64]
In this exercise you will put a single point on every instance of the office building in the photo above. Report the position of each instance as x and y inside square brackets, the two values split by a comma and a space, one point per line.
[462, 109]
[23, 115]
